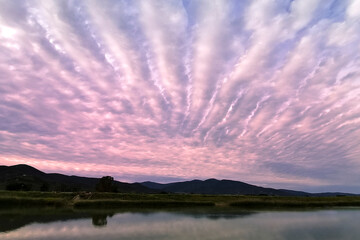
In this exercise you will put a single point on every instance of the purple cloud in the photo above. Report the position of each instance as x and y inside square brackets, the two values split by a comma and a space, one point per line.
[265, 92]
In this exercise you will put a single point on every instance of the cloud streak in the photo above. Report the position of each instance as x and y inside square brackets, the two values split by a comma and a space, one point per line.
[262, 91]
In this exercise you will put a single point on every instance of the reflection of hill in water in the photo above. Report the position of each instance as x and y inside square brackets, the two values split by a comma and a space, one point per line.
[13, 220]
[216, 214]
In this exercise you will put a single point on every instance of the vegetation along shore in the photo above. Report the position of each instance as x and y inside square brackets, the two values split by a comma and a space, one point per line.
[24, 186]
[86, 200]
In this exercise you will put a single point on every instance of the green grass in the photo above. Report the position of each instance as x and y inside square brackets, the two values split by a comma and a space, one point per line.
[297, 202]
[15, 202]
[139, 204]
[37, 194]
[127, 200]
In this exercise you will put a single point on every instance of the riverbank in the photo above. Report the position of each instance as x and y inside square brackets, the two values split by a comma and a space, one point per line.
[10, 199]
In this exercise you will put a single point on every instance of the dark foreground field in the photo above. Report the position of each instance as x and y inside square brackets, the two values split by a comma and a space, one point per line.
[10, 199]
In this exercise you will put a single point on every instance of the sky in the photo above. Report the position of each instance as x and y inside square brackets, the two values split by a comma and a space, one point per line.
[261, 91]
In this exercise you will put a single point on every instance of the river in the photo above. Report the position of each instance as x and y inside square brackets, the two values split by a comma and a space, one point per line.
[187, 224]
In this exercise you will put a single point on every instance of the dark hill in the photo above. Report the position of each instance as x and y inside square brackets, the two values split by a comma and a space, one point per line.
[17, 170]
[153, 185]
[24, 177]
[214, 186]
[32, 179]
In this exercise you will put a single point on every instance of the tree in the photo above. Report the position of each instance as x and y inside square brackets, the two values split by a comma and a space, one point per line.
[106, 184]
[99, 220]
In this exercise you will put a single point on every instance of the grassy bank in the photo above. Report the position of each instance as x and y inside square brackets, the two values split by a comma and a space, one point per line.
[296, 202]
[118, 200]
[9, 202]
[139, 204]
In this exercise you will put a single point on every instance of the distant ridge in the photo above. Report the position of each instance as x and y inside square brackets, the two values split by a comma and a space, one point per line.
[36, 180]
[214, 186]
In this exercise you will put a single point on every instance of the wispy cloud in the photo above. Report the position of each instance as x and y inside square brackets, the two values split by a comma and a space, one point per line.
[260, 91]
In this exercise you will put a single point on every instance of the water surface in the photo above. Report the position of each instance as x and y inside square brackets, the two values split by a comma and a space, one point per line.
[302, 225]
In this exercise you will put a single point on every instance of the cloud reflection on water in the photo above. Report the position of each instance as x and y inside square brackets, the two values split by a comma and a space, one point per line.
[329, 224]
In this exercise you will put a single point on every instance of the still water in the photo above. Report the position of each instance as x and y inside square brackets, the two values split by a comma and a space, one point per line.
[305, 225]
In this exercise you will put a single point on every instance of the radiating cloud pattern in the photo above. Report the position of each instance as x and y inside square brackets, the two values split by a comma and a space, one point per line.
[261, 91]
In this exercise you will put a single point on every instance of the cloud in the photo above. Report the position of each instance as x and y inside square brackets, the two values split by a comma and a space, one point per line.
[261, 91]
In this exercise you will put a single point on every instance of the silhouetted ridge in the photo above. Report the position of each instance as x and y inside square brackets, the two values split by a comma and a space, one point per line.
[16, 170]
[153, 185]
[28, 178]
[214, 186]
[24, 177]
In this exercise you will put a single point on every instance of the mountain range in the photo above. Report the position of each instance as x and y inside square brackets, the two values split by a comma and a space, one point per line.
[24, 177]
[29, 178]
